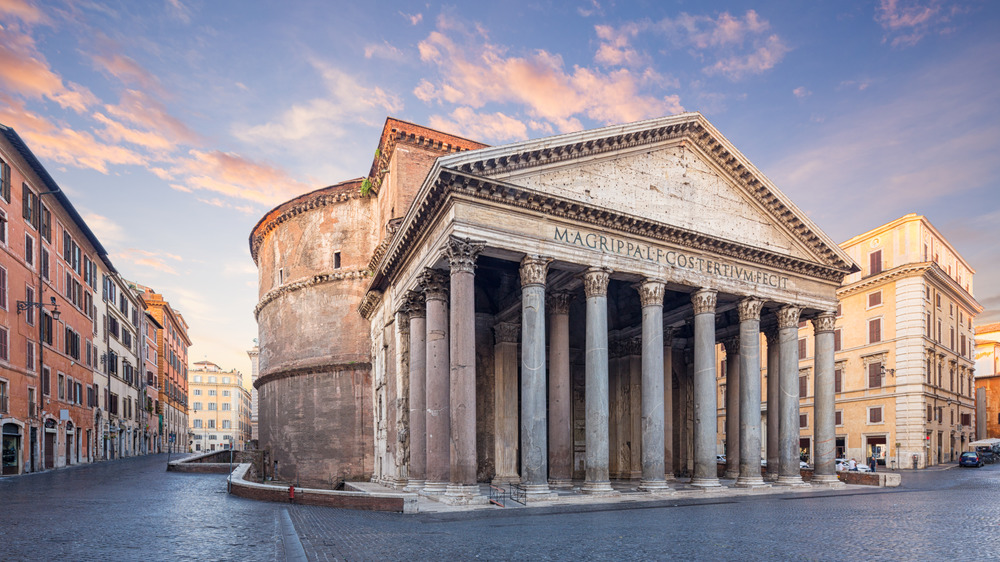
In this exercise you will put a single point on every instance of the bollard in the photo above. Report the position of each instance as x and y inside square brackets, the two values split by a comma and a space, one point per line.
[291, 494]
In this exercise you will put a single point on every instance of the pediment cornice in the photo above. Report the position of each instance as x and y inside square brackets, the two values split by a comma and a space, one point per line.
[450, 183]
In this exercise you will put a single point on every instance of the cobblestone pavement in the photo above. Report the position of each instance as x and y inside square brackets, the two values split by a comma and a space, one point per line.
[132, 509]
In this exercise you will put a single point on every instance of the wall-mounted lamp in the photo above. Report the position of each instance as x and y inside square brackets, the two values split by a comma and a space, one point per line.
[25, 305]
[885, 371]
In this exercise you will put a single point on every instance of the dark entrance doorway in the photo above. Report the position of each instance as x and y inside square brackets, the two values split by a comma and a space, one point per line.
[877, 448]
[11, 449]
[50, 444]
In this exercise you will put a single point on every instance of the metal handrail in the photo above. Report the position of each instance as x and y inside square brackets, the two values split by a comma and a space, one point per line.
[518, 494]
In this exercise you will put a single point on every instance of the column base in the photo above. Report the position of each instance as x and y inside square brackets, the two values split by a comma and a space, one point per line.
[599, 488]
[560, 483]
[537, 492]
[504, 479]
[795, 481]
[751, 482]
[669, 476]
[414, 485]
[655, 487]
[705, 482]
[827, 480]
[434, 488]
[770, 477]
[731, 474]
[460, 494]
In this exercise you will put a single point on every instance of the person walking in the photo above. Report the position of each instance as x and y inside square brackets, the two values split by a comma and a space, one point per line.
[872, 463]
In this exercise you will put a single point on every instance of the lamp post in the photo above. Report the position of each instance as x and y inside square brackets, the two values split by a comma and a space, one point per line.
[23, 306]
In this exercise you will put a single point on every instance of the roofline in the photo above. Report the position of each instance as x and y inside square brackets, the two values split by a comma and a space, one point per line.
[53, 188]
[909, 217]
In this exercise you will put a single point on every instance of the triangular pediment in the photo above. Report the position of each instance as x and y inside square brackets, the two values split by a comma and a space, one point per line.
[677, 171]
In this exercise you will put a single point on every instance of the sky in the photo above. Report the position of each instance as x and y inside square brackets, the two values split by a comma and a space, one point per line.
[175, 125]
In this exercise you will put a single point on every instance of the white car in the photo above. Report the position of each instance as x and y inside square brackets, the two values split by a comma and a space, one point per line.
[720, 458]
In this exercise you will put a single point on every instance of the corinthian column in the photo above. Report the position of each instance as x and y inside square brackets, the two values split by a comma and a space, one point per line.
[705, 401]
[788, 423]
[416, 307]
[668, 403]
[749, 476]
[825, 432]
[462, 255]
[595, 286]
[773, 401]
[653, 471]
[560, 392]
[733, 377]
[438, 425]
[534, 445]
[505, 401]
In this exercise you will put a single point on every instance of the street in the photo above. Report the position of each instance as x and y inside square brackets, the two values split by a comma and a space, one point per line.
[132, 509]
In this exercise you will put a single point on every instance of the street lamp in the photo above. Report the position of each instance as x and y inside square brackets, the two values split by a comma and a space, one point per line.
[883, 371]
[26, 305]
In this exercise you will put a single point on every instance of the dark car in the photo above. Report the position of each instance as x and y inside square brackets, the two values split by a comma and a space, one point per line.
[970, 458]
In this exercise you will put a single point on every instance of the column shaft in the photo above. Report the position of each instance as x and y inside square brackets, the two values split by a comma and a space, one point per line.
[668, 404]
[596, 380]
[788, 423]
[705, 401]
[773, 401]
[505, 402]
[653, 468]
[825, 470]
[438, 424]
[560, 393]
[749, 476]
[733, 378]
[534, 424]
[417, 472]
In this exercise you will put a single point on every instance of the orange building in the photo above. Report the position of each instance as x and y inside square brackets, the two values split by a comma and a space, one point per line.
[48, 278]
[172, 345]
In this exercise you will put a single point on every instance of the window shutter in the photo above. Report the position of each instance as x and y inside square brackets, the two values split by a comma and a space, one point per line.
[875, 262]
[802, 348]
[838, 380]
[874, 375]
[836, 340]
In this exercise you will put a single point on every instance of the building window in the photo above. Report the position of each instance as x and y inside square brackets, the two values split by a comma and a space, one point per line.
[875, 262]
[336, 260]
[875, 414]
[211, 405]
[930, 413]
[838, 380]
[62, 386]
[838, 418]
[803, 386]
[226, 424]
[225, 393]
[875, 299]
[196, 406]
[802, 348]
[197, 424]
[5, 181]
[197, 392]
[840, 310]
[803, 421]
[937, 298]
[281, 276]
[211, 393]
[4, 344]
[211, 424]
[875, 374]
[875, 330]
[837, 345]
[29, 250]
[3, 228]
[3, 288]
[225, 406]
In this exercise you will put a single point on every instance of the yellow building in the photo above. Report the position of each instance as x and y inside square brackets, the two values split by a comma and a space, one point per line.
[988, 380]
[220, 408]
[904, 349]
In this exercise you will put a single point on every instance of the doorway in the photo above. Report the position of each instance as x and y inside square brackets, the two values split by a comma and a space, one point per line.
[50, 444]
[876, 448]
[11, 449]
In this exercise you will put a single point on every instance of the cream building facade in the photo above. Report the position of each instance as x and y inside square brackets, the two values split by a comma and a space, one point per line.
[548, 311]
[220, 408]
[905, 354]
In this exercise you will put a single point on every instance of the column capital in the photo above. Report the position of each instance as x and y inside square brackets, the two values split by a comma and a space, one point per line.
[668, 336]
[506, 332]
[462, 253]
[534, 269]
[749, 309]
[595, 281]
[435, 283]
[824, 322]
[704, 301]
[788, 316]
[771, 335]
[557, 302]
[651, 292]
[415, 305]
[732, 345]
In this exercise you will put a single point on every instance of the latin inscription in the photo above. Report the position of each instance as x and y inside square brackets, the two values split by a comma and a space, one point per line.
[669, 258]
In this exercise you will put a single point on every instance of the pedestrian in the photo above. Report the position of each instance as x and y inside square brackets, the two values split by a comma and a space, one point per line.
[872, 463]
[853, 465]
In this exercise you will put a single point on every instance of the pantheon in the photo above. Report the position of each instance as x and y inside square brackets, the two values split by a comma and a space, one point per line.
[546, 313]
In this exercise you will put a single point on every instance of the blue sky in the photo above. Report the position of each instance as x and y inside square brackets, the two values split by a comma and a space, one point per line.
[175, 125]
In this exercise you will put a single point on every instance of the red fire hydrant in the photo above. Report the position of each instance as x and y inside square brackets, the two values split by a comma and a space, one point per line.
[291, 494]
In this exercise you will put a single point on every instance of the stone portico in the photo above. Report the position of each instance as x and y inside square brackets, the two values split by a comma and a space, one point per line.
[559, 303]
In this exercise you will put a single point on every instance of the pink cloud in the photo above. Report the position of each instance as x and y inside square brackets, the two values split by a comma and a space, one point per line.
[465, 122]
[23, 10]
[235, 176]
[909, 21]
[475, 72]
[141, 109]
[764, 58]
[24, 70]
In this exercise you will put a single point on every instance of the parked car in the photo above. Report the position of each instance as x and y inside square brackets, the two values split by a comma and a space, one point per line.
[720, 458]
[970, 458]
